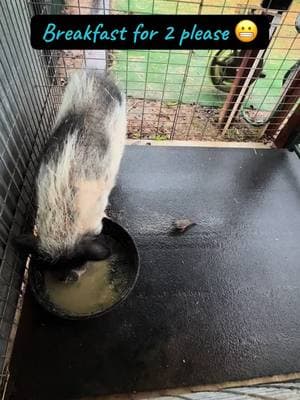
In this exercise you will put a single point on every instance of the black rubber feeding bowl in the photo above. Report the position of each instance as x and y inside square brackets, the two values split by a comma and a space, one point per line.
[128, 266]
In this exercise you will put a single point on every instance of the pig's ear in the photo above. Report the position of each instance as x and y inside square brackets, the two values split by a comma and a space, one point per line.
[94, 248]
[26, 243]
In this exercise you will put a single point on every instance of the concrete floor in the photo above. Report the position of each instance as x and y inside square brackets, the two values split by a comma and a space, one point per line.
[217, 304]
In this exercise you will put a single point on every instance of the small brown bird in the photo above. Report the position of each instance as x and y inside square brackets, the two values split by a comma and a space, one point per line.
[182, 225]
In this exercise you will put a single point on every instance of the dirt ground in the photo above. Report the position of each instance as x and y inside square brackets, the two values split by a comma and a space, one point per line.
[150, 119]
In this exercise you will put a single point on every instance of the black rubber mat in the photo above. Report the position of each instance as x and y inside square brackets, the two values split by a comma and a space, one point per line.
[218, 303]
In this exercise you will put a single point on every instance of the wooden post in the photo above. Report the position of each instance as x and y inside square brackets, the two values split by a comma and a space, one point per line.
[287, 102]
[248, 59]
[291, 126]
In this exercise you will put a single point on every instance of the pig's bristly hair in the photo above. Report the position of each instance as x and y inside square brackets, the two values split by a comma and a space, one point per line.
[80, 163]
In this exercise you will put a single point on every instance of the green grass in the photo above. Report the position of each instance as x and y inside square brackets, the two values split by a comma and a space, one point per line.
[148, 74]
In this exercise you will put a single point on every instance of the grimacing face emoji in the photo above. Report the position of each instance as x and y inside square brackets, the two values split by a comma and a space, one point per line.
[246, 31]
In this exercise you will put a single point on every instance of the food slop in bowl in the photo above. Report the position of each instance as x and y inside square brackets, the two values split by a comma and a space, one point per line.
[101, 288]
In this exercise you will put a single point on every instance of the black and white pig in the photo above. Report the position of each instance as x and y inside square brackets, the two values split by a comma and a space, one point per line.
[76, 175]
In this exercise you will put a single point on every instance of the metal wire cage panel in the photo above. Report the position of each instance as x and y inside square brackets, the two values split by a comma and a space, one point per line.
[179, 94]
[26, 114]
